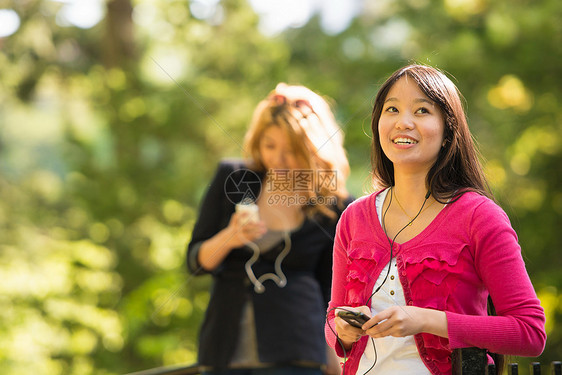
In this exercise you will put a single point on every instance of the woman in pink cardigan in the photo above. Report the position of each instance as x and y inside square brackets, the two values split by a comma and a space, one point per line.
[420, 257]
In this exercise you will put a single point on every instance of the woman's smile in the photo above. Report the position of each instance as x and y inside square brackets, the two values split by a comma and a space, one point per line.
[411, 126]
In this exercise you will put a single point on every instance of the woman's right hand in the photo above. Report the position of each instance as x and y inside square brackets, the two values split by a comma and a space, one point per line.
[239, 232]
[347, 333]
[242, 230]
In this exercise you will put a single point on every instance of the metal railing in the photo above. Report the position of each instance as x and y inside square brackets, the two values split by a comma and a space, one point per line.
[170, 370]
[474, 361]
[466, 361]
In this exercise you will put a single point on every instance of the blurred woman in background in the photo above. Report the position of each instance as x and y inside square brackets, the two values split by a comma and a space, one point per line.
[265, 233]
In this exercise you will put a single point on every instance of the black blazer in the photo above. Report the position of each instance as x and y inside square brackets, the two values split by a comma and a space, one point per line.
[289, 320]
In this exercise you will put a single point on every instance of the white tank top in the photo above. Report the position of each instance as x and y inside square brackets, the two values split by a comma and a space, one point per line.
[394, 355]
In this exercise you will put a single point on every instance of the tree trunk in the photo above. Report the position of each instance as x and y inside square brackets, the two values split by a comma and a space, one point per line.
[119, 43]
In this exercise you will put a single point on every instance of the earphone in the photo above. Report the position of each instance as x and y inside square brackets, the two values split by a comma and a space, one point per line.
[391, 243]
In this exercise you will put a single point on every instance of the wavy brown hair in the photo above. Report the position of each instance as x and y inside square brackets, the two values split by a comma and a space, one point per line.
[314, 135]
[457, 168]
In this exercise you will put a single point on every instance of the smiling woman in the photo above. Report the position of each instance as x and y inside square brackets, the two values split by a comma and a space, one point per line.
[424, 255]
[410, 127]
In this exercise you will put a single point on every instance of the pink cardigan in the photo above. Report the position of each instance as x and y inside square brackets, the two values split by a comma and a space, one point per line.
[468, 251]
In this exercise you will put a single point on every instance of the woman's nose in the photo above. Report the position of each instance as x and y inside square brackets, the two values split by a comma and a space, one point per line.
[404, 121]
[280, 159]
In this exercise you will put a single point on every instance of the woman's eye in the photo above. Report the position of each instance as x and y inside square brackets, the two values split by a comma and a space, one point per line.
[422, 110]
[391, 109]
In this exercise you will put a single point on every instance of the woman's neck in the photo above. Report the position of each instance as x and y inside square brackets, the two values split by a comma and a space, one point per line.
[410, 190]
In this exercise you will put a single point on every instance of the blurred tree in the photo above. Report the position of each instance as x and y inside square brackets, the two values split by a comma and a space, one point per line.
[110, 134]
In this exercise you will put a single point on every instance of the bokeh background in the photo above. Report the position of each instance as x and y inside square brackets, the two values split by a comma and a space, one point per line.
[114, 114]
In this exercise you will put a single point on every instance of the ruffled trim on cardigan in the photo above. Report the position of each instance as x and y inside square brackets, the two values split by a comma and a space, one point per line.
[429, 281]
[362, 264]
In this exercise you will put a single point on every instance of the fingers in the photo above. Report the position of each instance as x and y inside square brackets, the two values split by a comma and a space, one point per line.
[377, 330]
[346, 332]
[397, 321]
[245, 228]
[250, 233]
[365, 310]
[379, 320]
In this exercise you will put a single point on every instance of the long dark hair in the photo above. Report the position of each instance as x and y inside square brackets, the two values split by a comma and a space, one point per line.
[457, 168]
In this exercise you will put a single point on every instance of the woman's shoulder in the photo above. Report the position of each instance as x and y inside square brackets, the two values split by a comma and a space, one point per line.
[475, 199]
[232, 164]
[473, 203]
[237, 169]
[237, 180]
[362, 206]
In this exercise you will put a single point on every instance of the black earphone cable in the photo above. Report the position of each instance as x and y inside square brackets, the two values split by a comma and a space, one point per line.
[391, 243]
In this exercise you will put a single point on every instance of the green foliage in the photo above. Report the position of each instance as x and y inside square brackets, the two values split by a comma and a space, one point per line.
[108, 140]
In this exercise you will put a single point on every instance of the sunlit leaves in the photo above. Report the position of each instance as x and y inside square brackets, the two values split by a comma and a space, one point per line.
[55, 307]
[103, 168]
[463, 9]
[510, 92]
[502, 28]
[551, 301]
[496, 174]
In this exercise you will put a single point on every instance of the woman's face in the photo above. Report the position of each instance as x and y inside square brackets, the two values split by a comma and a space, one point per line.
[411, 127]
[276, 150]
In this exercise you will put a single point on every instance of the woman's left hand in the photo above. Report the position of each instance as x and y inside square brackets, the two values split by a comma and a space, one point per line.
[401, 321]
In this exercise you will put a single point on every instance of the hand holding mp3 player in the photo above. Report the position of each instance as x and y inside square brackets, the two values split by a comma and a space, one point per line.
[251, 208]
[354, 318]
